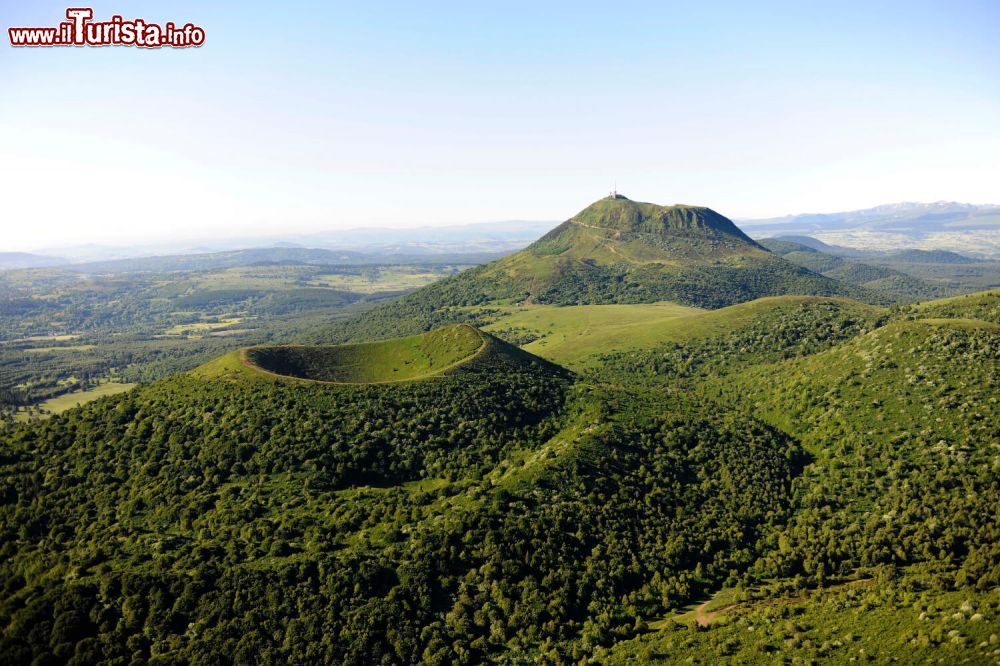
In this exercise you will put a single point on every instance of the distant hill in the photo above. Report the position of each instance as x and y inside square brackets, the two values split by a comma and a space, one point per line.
[15, 260]
[899, 217]
[816, 244]
[271, 256]
[900, 285]
[930, 257]
[970, 229]
[614, 251]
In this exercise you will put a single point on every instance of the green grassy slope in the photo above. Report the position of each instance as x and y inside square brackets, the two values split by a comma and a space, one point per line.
[388, 360]
[578, 336]
[573, 334]
[899, 420]
[983, 305]
[448, 350]
[934, 380]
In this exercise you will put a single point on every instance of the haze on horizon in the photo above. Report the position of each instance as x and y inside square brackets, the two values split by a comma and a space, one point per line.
[339, 116]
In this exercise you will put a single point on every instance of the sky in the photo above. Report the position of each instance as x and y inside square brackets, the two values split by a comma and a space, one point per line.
[299, 116]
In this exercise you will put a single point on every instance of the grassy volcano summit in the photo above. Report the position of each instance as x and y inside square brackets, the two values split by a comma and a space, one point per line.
[371, 362]
[618, 229]
[622, 251]
[442, 351]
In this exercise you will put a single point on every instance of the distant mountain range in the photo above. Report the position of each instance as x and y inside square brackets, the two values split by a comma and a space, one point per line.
[491, 238]
[970, 229]
[899, 217]
[15, 260]
[944, 225]
[276, 255]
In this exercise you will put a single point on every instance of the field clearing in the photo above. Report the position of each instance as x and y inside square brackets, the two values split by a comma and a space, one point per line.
[202, 326]
[254, 277]
[61, 403]
[231, 332]
[570, 334]
[387, 281]
[961, 323]
[39, 350]
[575, 335]
[46, 338]
[272, 278]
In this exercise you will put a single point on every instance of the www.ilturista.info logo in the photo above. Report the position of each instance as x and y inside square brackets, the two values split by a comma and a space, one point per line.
[80, 30]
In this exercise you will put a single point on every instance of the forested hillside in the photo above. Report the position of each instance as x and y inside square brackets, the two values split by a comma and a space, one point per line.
[870, 275]
[894, 516]
[906, 276]
[452, 519]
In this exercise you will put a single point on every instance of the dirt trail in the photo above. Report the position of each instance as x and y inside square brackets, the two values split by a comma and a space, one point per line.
[530, 300]
[603, 242]
[705, 617]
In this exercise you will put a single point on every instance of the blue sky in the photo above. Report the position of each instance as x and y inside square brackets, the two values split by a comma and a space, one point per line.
[307, 116]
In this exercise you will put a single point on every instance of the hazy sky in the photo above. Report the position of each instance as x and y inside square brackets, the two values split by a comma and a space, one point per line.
[325, 115]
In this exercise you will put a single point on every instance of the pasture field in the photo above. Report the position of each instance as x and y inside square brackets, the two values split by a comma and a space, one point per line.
[203, 326]
[383, 281]
[574, 336]
[569, 335]
[61, 403]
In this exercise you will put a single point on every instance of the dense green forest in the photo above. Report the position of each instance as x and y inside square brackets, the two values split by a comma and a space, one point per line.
[508, 511]
[901, 426]
[476, 508]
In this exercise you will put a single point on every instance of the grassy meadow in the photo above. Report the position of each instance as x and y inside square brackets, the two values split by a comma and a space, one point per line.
[576, 336]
